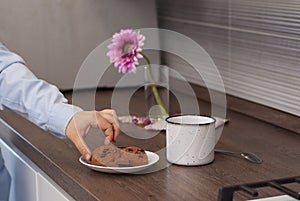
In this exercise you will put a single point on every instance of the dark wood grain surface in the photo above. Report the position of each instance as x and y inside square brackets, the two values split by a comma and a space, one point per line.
[278, 147]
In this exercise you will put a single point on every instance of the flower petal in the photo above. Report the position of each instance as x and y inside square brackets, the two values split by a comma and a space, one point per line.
[124, 50]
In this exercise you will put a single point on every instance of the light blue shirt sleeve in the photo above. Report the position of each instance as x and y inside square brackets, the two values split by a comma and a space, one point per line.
[32, 98]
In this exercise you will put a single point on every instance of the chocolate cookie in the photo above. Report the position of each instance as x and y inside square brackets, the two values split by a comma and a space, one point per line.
[111, 156]
[136, 155]
[105, 155]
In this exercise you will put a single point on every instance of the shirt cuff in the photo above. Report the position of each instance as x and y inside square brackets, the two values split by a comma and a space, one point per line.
[60, 117]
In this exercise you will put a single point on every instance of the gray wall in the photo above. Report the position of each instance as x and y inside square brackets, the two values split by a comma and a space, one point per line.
[254, 43]
[54, 37]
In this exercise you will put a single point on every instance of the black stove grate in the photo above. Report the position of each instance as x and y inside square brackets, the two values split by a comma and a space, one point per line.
[226, 193]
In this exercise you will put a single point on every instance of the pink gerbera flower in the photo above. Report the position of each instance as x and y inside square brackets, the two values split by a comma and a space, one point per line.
[124, 51]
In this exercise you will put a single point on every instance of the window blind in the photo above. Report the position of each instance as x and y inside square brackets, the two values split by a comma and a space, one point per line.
[254, 43]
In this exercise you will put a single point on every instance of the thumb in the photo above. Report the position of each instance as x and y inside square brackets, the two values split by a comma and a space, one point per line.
[80, 145]
[73, 134]
[82, 148]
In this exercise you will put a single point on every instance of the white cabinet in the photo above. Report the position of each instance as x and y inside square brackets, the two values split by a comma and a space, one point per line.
[29, 183]
[48, 190]
[23, 185]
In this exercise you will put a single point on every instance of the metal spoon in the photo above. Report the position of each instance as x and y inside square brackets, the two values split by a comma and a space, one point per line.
[253, 158]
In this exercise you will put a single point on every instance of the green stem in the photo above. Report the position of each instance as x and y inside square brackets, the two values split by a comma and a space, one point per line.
[154, 89]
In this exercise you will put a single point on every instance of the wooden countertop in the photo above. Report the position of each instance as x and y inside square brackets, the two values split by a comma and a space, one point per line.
[278, 147]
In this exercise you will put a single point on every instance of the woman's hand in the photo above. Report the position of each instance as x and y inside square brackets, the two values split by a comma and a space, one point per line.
[81, 122]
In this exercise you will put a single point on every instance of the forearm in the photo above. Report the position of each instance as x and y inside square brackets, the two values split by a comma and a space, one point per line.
[35, 99]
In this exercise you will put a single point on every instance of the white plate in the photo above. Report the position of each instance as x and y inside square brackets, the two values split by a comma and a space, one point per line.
[152, 159]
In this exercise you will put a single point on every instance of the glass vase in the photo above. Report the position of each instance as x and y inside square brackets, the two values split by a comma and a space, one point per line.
[156, 88]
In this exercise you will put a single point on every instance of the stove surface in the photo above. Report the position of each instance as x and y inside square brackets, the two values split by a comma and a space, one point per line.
[226, 193]
[276, 198]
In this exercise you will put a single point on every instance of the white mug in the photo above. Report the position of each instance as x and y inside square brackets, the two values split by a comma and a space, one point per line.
[191, 139]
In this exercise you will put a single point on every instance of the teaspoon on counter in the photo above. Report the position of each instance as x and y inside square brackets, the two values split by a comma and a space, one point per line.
[251, 157]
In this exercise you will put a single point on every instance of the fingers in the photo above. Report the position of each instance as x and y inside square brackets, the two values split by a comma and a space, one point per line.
[81, 122]
[83, 148]
[74, 134]
[111, 116]
[116, 125]
[108, 122]
[109, 136]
